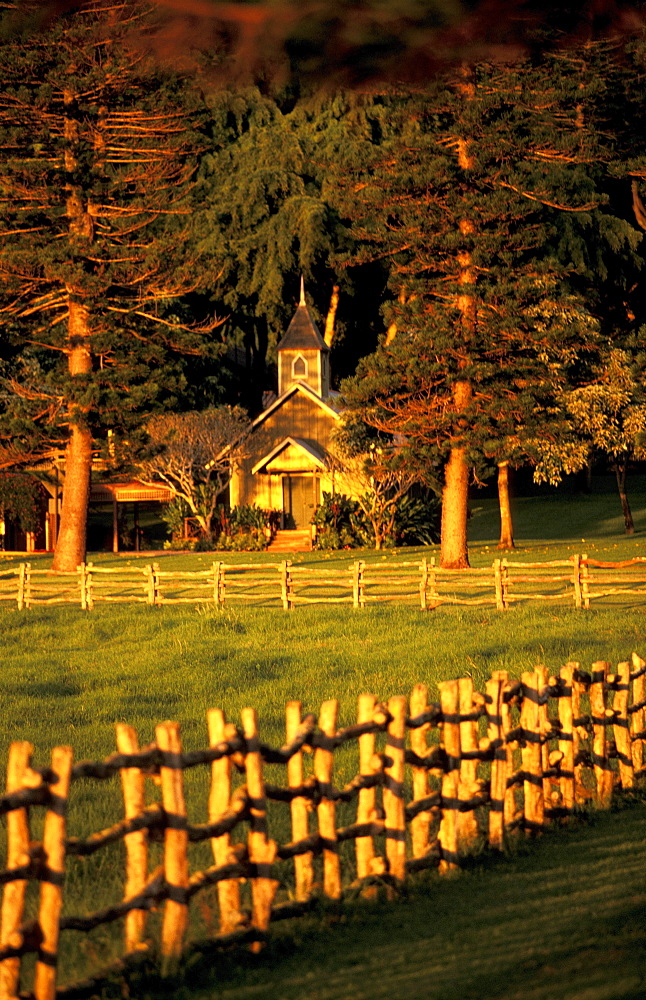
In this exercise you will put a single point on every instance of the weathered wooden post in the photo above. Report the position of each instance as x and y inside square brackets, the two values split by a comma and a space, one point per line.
[499, 767]
[136, 843]
[51, 890]
[621, 725]
[262, 850]
[13, 896]
[566, 735]
[219, 800]
[448, 833]
[638, 709]
[394, 808]
[602, 770]
[468, 830]
[299, 806]
[420, 823]
[531, 753]
[175, 919]
[364, 846]
[326, 809]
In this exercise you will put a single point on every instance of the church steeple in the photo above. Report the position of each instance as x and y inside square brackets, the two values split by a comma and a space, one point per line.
[303, 355]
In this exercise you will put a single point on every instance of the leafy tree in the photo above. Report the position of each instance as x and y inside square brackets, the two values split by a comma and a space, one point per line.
[608, 415]
[18, 499]
[380, 473]
[192, 454]
[96, 180]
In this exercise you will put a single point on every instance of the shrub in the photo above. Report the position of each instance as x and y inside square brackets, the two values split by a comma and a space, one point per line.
[418, 520]
[340, 523]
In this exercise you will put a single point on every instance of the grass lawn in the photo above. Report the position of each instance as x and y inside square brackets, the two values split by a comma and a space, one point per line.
[69, 675]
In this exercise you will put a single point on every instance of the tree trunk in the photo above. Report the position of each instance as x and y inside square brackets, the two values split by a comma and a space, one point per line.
[620, 473]
[506, 522]
[72, 535]
[454, 552]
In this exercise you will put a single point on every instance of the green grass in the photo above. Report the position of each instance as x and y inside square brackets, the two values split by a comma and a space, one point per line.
[562, 920]
[69, 675]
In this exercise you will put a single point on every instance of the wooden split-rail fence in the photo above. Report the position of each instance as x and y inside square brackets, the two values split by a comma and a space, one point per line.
[433, 781]
[577, 581]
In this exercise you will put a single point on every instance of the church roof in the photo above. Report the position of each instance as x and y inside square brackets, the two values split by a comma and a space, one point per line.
[302, 333]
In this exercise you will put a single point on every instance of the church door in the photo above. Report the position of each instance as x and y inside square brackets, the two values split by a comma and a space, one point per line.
[299, 500]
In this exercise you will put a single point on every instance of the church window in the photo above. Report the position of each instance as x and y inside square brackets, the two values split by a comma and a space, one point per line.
[299, 367]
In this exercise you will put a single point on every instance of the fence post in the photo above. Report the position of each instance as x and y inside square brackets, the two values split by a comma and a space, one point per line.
[600, 714]
[420, 823]
[578, 687]
[448, 833]
[51, 890]
[432, 586]
[566, 735]
[468, 829]
[531, 753]
[497, 582]
[393, 796]
[499, 769]
[136, 843]
[13, 896]
[175, 845]
[219, 798]
[638, 710]
[621, 726]
[262, 850]
[504, 583]
[218, 583]
[22, 573]
[358, 584]
[364, 846]
[89, 586]
[576, 580]
[299, 806]
[544, 727]
[423, 584]
[287, 585]
[80, 569]
[150, 584]
[585, 581]
[326, 809]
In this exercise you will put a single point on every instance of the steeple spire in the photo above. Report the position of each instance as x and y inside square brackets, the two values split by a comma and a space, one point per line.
[302, 299]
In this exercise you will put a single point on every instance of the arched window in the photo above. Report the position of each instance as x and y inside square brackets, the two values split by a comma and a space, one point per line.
[299, 367]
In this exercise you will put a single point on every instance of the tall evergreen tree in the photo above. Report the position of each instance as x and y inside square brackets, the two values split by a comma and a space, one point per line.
[484, 327]
[96, 181]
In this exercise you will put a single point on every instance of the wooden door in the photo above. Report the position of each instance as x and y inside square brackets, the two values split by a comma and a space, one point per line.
[299, 501]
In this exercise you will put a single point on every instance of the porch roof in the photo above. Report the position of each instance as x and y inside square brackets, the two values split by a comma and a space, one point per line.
[130, 491]
[292, 449]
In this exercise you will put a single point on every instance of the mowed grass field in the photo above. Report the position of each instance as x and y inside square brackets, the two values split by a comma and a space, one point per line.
[496, 930]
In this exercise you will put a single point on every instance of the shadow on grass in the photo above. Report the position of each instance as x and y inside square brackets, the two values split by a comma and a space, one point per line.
[562, 919]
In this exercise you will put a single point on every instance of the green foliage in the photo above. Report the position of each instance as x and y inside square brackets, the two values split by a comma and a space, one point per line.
[417, 521]
[96, 215]
[174, 514]
[340, 523]
[18, 499]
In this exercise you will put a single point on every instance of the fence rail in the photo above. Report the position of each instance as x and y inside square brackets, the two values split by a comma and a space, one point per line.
[576, 581]
[433, 781]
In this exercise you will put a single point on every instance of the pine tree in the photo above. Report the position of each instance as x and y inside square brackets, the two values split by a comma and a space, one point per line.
[96, 179]
[483, 325]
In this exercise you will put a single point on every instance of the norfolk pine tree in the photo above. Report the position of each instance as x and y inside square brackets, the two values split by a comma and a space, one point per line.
[483, 326]
[95, 185]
